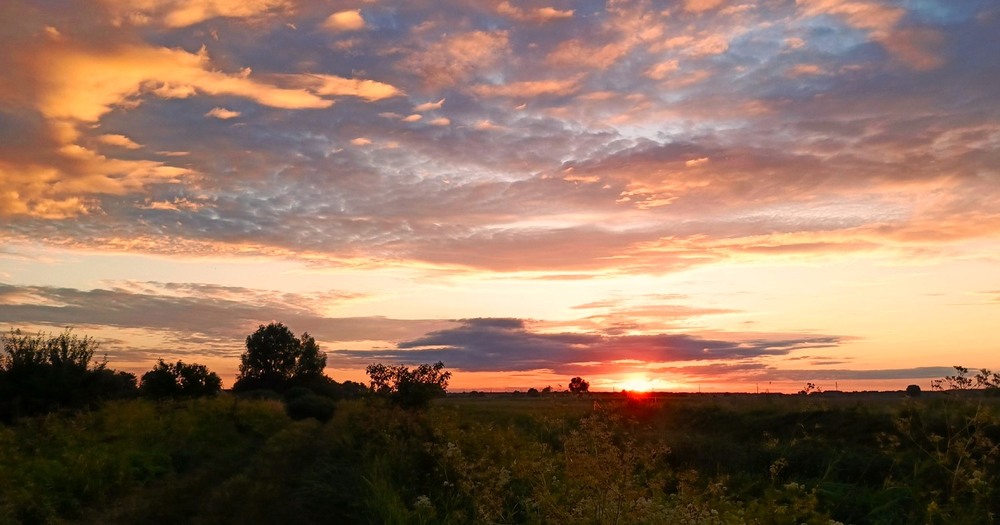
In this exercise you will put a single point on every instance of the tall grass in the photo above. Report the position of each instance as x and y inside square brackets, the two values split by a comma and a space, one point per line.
[704, 460]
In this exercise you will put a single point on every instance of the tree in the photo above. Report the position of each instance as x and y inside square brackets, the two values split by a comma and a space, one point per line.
[179, 380]
[274, 357]
[312, 360]
[409, 388]
[577, 385]
[913, 391]
[40, 373]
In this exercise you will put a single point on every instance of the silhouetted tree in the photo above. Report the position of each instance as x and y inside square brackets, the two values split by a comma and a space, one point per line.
[40, 373]
[311, 360]
[179, 380]
[913, 390]
[274, 357]
[578, 385]
[409, 388]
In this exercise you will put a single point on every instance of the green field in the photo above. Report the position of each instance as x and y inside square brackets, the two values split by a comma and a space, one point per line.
[503, 458]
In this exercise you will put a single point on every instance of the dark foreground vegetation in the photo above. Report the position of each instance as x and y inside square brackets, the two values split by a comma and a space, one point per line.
[559, 458]
[292, 446]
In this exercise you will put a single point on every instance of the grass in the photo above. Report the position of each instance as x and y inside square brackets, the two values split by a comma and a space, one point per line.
[511, 459]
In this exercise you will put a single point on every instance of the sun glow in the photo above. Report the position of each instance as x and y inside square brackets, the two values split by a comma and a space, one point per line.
[637, 384]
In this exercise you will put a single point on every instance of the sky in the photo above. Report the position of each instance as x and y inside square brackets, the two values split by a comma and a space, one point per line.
[690, 195]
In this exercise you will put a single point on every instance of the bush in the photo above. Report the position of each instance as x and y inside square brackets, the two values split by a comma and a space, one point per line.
[41, 373]
[179, 380]
[409, 388]
[310, 406]
[297, 392]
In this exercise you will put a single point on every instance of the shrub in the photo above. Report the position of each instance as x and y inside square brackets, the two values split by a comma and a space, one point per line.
[40, 373]
[409, 388]
[297, 392]
[310, 405]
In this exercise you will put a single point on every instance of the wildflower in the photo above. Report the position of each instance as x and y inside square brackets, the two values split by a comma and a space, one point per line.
[422, 503]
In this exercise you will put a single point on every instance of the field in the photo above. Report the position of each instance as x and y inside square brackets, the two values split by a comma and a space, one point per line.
[504, 458]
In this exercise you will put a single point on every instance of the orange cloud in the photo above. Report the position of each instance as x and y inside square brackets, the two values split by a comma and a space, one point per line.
[350, 20]
[119, 140]
[50, 193]
[538, 14]
[700, 45]
[457, 58]
[529, 89]
[183, 13]
[334, 86]
[83, 85]
[661, 70]
[576, 53]
[697, 6]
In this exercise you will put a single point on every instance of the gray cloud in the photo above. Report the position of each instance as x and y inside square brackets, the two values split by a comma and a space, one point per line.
[510, 345]
[190, 315]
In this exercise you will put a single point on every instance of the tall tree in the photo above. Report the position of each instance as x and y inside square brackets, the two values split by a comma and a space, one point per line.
[274, 357]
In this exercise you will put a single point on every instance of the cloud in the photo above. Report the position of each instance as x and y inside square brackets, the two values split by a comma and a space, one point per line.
[183, 13]
[334, 86]
[83, 85]
[349, 20]
[119, 140]
[440, 121]
[660, 70]
[509, 345]
[428, 106]
[698, 6]
[917, 47]
[538, 14]
[222, 113]
[529, 89]
[577, 53]
[456, 58]
[221, 314]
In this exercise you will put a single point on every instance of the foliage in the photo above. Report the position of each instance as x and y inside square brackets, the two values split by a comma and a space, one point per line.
[179, 380]
[275, 359]
[41, 373]
[409, 388]
[578, 385]
[876, 459]
[310, 405]
[984, 380]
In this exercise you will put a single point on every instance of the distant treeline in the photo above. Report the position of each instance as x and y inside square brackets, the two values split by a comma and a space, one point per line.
[44, 373]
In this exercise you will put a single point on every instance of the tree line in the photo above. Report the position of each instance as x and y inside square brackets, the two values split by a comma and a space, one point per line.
[42, 373]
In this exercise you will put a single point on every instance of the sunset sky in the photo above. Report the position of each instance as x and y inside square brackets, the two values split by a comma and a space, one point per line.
[685, 195]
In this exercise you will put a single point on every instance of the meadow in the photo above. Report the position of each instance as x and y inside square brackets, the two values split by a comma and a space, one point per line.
[504, 458]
